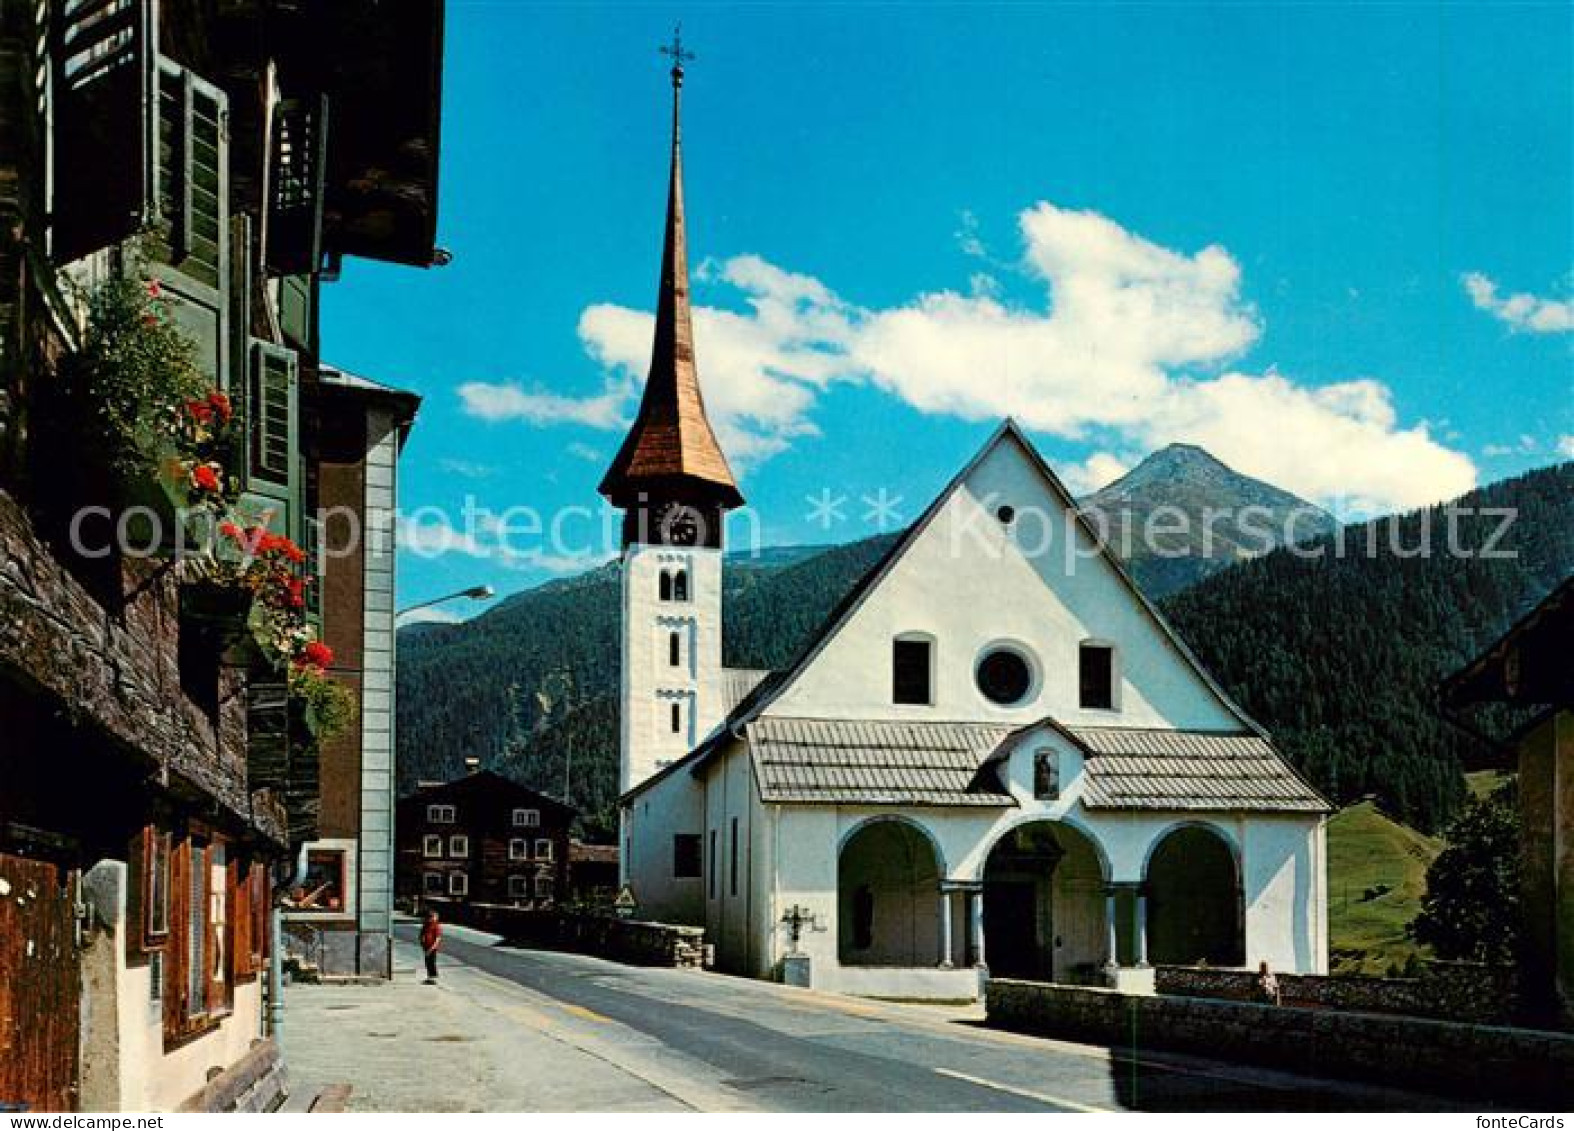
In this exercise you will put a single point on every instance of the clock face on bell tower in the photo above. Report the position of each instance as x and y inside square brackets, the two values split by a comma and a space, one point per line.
[673, 523]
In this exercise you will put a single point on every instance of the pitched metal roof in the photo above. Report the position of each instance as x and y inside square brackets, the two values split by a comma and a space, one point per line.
[1133, 768]
[873, 762]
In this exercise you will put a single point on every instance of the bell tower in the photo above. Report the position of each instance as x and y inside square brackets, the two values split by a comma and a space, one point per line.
[674, 487]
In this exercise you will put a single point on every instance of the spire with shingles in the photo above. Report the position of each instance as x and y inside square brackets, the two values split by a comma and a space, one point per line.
[671, 450]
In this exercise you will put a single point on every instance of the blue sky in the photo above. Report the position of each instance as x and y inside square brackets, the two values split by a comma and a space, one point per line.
[1333, 244]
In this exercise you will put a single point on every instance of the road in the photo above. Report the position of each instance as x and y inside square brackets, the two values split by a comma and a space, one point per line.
[611, 1036]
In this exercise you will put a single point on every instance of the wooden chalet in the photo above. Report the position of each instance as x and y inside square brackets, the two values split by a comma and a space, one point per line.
[159, 781]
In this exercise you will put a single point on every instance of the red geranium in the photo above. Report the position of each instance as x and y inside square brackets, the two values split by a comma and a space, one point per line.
[205, 477]
[220, 404]
[317, 655]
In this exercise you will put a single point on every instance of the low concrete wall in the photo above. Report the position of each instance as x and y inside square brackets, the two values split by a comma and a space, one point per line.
[623, 940]
[1522, 1065]
[1447, 991]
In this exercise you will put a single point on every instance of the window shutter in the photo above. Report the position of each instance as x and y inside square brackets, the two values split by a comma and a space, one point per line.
[104, 81]
[311, 542]
[194, 233]
[273, 478]
[295, 197]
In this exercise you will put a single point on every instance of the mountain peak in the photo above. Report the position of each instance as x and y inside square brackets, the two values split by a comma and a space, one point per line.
[1191, 480]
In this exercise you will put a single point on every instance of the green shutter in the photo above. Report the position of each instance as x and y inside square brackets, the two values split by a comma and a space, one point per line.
[273, 434]
[311, 542]
[295, 308]
[103, 79]
[295, 190]
[193, 228]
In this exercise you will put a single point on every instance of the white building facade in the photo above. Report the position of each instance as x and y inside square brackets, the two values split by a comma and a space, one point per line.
[994, 757]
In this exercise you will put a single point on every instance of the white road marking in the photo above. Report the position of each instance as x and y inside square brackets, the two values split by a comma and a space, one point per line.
[1041, 1097]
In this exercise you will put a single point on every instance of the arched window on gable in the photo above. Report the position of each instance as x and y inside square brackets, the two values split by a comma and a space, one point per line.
[664, 585]
[680, 585]
[674, 648]
[677, 717]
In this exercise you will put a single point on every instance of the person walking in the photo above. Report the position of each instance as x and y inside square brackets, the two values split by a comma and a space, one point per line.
[431, 940]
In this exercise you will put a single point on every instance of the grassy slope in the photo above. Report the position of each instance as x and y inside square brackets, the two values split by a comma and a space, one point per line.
[1367, 849]
[1481, 783]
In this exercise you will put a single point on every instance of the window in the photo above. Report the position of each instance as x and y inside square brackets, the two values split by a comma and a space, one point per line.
[713, 863]
[327, 881]
[543, 887]
[526, 818]
[432, 846]
[1096, 676]
[911, 670]
[519, 849]
[1005, 676]
[197, 932]
[680, 585]
[519, 887]
[677, 718]
[664, 585]
[440, 814]
[155, 906]
[1046, 775]
[543, 849]
[674, 649]
[458, 883]
[432, 883]
[459, 845]
[733, 854]
[218, 922]
[686, 861]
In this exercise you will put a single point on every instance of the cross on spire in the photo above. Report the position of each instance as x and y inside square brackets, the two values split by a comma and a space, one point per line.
[677, 54]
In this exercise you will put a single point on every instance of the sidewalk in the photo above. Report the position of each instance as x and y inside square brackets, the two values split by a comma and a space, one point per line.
[472, 1043]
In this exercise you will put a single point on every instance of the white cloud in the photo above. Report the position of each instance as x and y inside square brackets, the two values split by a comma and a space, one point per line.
[1521, 312]
[1126, 336]
[586, 452]
[1099, 470]
[467, 469]
[508, 401]
[516, 539]
[430, 615]
[1566, 447]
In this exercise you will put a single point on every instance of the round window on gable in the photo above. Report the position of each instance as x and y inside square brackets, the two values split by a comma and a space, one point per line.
[1005, 676]
[1006, 513]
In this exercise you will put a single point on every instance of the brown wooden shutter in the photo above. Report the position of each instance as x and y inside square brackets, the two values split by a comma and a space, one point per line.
[105, 85]
[295, 195]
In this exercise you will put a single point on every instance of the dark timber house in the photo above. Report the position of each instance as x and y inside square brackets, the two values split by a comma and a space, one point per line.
[160, 780]
[483, 839]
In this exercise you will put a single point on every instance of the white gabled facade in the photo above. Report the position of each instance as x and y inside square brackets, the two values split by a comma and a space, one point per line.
[968, 583]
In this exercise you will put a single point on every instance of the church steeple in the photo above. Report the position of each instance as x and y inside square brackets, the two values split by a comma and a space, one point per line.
[670, 456]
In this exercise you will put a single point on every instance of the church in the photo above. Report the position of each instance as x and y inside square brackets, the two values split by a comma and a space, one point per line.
[995, 757]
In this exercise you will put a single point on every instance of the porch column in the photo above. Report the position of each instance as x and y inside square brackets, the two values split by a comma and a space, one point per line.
[975, 923]
[1142, 926]
[945, 927]
[1109, 927]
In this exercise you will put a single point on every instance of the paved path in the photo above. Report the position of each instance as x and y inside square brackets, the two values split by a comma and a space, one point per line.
[512, 1029]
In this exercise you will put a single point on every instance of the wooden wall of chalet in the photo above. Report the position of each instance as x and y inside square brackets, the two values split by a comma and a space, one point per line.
[40, 985]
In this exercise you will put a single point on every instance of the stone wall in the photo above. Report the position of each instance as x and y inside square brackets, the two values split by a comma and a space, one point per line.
[623, 940]
[1448, 991]
[1520, 1065]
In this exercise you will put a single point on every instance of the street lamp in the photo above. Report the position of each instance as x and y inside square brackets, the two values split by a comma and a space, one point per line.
[474, 593]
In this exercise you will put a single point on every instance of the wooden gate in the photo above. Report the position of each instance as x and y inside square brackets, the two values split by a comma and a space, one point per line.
[40, 986]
